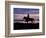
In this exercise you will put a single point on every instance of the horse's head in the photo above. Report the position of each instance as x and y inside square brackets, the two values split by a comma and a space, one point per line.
[24, 18]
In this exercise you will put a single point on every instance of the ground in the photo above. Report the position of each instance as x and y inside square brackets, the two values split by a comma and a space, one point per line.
[20, 26]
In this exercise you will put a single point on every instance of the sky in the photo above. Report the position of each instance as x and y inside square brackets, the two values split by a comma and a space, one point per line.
[25, 11]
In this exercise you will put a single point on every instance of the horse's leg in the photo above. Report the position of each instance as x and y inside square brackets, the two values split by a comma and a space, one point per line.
[31, 21]
[34, 21]
[27, 22]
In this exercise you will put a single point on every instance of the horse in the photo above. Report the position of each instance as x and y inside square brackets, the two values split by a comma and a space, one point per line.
[29, 19]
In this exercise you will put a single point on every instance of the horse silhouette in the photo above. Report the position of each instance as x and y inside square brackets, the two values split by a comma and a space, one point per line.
[27, 19]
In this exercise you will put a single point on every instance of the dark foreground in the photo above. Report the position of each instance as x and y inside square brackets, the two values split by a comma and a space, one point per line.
[20, 26]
